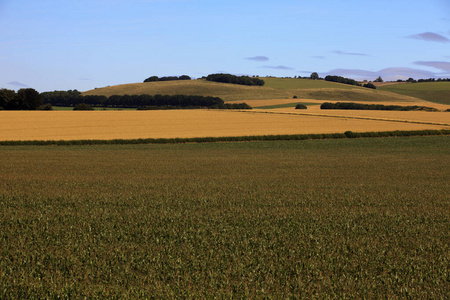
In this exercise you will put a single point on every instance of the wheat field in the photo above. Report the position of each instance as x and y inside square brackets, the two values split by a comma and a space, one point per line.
[70, 125]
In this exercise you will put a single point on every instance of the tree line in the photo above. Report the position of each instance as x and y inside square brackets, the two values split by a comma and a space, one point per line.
[74, 98]
[167, 78]
[362, 106]
[30, 99]
[228, 78]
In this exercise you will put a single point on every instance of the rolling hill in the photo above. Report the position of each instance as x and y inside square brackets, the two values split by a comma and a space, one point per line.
[275, 88]
[438, 92]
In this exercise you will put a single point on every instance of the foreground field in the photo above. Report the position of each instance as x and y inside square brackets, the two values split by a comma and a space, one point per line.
[356, 218]
[76, 125]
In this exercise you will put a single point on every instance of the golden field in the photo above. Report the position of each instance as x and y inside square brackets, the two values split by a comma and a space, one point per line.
[76, 125]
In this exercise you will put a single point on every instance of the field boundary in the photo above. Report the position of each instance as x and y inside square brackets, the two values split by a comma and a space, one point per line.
[347, 134]
[346, 117]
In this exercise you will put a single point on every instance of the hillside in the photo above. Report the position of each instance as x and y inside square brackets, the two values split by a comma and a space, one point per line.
[438, 92]
[275, 88]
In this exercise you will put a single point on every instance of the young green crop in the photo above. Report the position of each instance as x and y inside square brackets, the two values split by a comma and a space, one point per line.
[349, 218]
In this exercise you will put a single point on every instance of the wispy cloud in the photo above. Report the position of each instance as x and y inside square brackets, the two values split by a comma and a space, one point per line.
[429, 37]
[257, 58]
[441, 65]
[86, 79]
[348, 53]
[388, 74]
[18, 84]
[279, 67]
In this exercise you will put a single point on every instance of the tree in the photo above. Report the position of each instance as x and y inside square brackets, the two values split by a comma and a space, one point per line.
[314, 76]
[7, 97]
[26, 99]
[379, 79]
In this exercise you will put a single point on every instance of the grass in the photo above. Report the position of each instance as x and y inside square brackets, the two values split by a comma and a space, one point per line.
[354, 218]
[438, 92]
[275, 88]
[294, 83]
[68, 108]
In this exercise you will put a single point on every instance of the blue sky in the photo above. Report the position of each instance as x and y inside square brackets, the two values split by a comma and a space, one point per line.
[59, 45]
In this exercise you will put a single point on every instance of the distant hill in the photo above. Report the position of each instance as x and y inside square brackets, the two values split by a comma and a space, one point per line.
[274, 88]
[438, 92]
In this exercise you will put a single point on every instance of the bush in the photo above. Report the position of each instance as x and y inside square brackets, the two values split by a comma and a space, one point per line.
[83, 106]
[47, 106]
[370, 85]
[300, 106]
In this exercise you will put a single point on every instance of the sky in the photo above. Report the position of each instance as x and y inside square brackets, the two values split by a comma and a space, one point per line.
[84, 44]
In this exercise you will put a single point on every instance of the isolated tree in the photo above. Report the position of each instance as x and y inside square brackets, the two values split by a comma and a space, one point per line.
[379, 79]
[314, 76]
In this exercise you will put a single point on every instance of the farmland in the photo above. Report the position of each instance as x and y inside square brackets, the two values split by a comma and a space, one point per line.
[69, 125]
[359, 218]
[337, 218]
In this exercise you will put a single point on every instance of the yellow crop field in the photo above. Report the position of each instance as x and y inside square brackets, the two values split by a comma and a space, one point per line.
[76, 125]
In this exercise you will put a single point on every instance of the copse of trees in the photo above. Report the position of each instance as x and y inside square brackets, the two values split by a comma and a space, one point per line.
[167, 78]
[24, 99]
[228, 78]
[340, 79]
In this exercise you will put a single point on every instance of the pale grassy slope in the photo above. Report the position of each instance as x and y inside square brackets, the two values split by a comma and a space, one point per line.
[275, 88]
[438, 92]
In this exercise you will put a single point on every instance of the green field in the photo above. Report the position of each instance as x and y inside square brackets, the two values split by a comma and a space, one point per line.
[65, 108]
[350, 218]
[275, 88]
[438, 92]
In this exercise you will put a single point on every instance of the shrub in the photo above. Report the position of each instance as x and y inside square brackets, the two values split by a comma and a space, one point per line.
[47, 106]
[370, 85]
[82, 106]
[300, 106]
